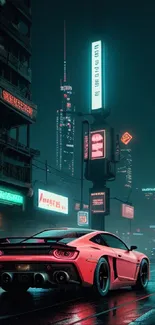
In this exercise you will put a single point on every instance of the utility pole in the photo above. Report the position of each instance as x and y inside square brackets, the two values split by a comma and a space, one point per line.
[84, 123]
[46, 172]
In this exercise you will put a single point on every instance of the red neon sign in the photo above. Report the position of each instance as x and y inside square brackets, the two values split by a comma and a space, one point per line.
[17, 103]
[126, 138]
[98, 147]
[98, 204]
[127, 211]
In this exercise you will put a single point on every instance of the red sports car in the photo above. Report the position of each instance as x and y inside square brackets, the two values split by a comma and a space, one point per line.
[70, 256]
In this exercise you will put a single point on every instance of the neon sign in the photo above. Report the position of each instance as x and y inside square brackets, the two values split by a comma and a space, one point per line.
[10, 197]
[127, 211]
[98, 144]
[17, 103]
[98, 202]
[126, 138]
[96, 75]
[83, 218]
[52, 202]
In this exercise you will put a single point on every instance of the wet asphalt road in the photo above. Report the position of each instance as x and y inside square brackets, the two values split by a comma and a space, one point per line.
[46, 307]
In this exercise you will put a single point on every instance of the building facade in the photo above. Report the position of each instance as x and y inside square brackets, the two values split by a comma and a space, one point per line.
[16, 107]
[65, 124]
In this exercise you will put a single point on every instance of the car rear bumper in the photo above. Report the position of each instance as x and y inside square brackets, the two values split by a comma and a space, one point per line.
[40, 275]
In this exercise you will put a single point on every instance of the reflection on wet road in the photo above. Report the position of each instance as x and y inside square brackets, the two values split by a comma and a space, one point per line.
[46, 307]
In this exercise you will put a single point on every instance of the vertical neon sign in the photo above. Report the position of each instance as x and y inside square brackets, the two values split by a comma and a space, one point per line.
[96, 75]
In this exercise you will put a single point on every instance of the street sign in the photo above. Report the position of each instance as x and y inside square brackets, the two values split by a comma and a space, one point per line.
[82, 218]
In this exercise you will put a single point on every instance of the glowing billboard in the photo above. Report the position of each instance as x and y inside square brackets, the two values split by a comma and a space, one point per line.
[83, 218]
[96, 75]
[53, 202]
[97, 144]
[126, 138]
[7, 197]
[127, 211]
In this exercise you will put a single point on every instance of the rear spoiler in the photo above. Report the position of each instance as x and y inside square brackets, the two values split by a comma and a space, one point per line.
[6, 242]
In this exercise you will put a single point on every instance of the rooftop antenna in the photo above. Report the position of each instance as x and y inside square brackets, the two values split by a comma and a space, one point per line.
[64, 51]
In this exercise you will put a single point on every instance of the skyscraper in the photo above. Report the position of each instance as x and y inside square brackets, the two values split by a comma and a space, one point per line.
[125, 170]
[65, 124]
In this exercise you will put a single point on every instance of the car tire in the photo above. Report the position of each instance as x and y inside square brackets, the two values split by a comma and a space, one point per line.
[10, 288]
[102, 278]
[143, 276]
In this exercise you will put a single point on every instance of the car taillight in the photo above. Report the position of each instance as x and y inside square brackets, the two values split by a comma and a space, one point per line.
[61, 253]
[1, 253]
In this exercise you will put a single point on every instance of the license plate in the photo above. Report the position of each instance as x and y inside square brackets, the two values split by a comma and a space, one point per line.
[23, 267]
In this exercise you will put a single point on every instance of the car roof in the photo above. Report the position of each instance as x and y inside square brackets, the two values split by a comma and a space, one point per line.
[72, 229]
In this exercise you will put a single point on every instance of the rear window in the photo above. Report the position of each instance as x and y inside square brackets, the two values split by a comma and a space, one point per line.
[60, 234]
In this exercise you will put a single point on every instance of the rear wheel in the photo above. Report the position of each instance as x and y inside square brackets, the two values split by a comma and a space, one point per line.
[12, 288]
[143, 276]
[102, 278]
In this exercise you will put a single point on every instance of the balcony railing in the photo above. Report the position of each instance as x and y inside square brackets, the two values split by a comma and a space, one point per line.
[5, 84]
[16, 64]
[5, 140]
[9, 27]
[15, 173]
[22, 7]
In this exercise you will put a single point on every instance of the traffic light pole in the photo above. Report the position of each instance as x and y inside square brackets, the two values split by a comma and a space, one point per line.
[82, 164]
[85, 122]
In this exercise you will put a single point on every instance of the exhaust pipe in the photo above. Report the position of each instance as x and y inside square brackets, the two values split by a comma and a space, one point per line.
[61, 277]
[40, 279]
[6, 278]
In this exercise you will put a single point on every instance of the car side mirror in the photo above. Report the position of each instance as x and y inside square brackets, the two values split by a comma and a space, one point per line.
[132, 248]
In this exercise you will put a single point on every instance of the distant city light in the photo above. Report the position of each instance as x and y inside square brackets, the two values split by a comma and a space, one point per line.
[126, 138]
[148, 189]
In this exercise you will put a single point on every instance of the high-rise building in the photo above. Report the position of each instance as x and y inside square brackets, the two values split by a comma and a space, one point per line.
[65, 124]
[125, 170]
[16, 107]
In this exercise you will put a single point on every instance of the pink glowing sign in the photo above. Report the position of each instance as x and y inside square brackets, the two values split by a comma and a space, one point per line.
[127, 211]
[98, 144]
